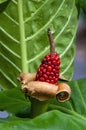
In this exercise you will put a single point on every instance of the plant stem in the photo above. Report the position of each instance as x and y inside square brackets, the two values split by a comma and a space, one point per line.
[52, 44]
[38, 107]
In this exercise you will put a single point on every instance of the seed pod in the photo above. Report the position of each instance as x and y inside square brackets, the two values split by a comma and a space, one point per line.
[41, 91]
[25, 78]
[49, 69]
[63, 93]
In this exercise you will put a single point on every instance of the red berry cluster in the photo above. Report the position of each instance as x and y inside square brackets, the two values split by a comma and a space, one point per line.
[48, 71]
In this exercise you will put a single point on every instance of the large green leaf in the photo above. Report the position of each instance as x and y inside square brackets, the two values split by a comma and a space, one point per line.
[24, 41]
[77, 103]
[61, 116]
[53, 120]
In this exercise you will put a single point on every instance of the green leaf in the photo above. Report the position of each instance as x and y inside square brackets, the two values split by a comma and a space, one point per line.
[71, 114]
[51, 120]
[24, 41]
[2, 1]
[13, 101]
[61, 116]
[3, 5]
[76, 106]
[81, 4]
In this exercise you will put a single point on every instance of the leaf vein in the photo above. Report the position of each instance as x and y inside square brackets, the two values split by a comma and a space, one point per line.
[10, 18]
[68, 47]
[12, 63]
[80, 95]
[7, 34]
[6, 76]
[34, 58]
[69, 17]
[55, 39]
[11, 51]
[14, 2]
[68, 66]
[26, 20]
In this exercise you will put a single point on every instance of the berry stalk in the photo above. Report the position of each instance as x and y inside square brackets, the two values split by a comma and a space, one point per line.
[52, 44]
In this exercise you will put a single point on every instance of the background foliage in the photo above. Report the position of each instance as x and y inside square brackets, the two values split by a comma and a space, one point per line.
[23, 43]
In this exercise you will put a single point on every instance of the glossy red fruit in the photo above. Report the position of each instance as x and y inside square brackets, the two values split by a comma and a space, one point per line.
[49, 69]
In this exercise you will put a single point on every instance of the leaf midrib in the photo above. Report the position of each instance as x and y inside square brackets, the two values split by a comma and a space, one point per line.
[24, 65]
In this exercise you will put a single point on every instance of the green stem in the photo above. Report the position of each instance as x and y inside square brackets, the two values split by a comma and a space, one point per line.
[22, 37]
[38, 107]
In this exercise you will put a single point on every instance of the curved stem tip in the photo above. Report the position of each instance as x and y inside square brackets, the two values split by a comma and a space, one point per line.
[52, 44]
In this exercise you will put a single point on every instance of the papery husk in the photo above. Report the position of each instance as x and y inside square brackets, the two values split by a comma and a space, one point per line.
[41, 91]
[63, 93]
[24, 78]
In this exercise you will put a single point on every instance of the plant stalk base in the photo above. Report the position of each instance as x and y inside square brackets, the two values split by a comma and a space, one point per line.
[38, 107]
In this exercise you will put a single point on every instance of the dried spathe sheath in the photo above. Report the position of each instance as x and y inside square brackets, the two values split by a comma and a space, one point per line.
[63, 93]
[40, 90]
[43, 90]
[24, 78]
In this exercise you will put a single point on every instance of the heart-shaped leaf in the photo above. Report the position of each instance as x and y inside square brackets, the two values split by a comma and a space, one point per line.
[24, 41]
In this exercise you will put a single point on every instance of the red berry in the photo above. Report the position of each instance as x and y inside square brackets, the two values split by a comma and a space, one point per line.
[42, 79]
[54, 62]
[41, 68]
[57, 67]
[37, 76]
[44, 70]
[47, 73]
[57, 75]
[40, 73]
[49, 68]
[48, 80]
[45, 66]
[52, 81]
[50, 77]
[53, 66]
[45, 76]
[57, 58]
[49, 63]
[54, 70]
[56, 79]
[52, 74]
